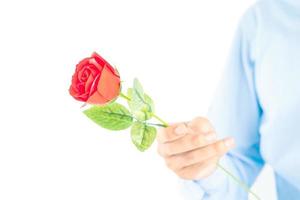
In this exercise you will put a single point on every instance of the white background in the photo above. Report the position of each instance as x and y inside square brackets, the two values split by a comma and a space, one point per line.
[48, 148]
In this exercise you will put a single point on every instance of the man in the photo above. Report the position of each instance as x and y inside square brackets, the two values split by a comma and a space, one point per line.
[256, 111]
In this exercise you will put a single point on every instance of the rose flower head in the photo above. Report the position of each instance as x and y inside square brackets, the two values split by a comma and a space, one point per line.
[95, 81]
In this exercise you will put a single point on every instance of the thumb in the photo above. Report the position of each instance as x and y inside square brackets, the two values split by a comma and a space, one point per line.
[169, 134]
[181, 129]
[223, 146]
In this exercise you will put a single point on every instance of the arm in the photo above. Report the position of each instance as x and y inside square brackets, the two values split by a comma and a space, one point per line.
[235, 112]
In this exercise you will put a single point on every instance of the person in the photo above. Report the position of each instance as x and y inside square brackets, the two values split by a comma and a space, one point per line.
[256, 111]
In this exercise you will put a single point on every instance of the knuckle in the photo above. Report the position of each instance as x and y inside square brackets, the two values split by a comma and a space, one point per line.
[161, 150]
[201, 124]
[197, 140]
[168, 149]
[200, 119]
[170, 163]
[203, 121]
[194, 140]
[188, 158]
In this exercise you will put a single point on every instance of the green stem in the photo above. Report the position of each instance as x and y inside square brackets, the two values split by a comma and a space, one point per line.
[238, 181]
[124, 96]
[228, 173]
[154, 124]
[165, 124]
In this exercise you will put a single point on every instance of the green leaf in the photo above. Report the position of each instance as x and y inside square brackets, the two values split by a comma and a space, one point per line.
[141, 105]
[142, 135]
[150, 102]
[138, 86]
[113, 116]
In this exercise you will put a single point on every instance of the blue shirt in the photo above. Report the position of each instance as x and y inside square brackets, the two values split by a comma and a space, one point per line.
[258, 103]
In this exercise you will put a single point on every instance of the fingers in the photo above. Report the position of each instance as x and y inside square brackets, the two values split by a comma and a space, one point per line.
[186, 143]
[190, 149]
[178, 130]
[200, 124]
[199, 155]
[172, 132]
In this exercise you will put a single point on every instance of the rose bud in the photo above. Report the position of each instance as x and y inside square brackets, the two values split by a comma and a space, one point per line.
[95, 81]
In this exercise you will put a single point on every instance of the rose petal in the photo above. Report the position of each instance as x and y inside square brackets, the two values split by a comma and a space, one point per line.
[82, 64]
[97, 98]
[83, 74]
[109, 84]
[94, 70]
[91, 85]
[94, 62]
[75, 95]
[103, 62]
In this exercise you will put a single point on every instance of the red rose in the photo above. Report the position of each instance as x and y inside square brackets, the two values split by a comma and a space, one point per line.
[95, 81]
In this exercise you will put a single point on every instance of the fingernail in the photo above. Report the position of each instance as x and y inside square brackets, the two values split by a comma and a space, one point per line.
[180, 130]
[210, 137]
[229, 142]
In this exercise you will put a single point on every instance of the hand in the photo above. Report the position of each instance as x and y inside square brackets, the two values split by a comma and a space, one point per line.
[191, 149]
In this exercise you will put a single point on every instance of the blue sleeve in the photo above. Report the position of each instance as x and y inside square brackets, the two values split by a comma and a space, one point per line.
[235, 112]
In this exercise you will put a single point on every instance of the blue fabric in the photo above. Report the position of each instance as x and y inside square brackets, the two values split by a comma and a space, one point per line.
[258, 103]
